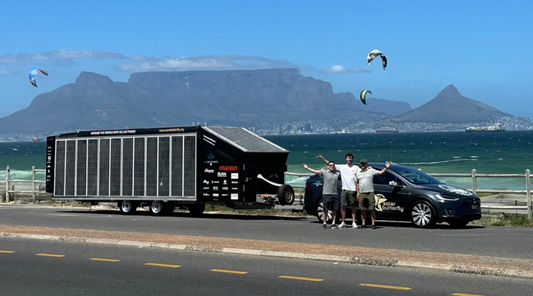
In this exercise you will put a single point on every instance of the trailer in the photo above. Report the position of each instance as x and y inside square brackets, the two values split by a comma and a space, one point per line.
[165, 168]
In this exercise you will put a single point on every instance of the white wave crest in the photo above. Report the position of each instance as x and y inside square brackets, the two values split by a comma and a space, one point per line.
[437, 162]
[21, 175]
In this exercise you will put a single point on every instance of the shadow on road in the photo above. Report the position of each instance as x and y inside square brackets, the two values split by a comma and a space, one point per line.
[187, 215]
[403, 224]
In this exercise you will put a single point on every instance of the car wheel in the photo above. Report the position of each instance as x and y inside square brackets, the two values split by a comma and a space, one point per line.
[127, 207]
[458, 223]
[423, 214]
[320, 210]
[286, 195]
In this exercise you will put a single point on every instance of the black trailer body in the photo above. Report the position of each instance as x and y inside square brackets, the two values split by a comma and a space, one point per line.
[174, 166]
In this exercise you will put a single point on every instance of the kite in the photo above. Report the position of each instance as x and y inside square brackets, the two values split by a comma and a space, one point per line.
[33, 75]
[375, 53]
[362, 96]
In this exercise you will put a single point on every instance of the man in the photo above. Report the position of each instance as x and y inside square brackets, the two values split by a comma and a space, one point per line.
[329, 192]
[366, 190]
[349, 187]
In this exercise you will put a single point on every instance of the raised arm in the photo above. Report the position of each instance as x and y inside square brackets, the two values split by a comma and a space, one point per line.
[387, 165]
[322, 157]
[311, 170]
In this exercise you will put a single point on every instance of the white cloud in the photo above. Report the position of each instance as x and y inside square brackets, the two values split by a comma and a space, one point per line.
[7, 72]
[205, 62]
[57, 55]
[341, 69]
[139, 63]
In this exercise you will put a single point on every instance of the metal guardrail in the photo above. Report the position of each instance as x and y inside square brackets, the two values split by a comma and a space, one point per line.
[10, 188]
[474, 175]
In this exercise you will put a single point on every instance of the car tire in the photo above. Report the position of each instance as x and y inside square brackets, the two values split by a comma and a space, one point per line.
[319, 209]
[286, 195]
[458, 223]
[423, 215]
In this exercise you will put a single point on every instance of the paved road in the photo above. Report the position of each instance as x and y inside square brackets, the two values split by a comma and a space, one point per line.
[512, 242]
[32, 267]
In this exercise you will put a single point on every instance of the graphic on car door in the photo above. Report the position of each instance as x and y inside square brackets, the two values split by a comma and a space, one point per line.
[390, 195]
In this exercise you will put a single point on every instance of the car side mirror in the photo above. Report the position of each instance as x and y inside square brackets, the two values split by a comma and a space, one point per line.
[395, 184]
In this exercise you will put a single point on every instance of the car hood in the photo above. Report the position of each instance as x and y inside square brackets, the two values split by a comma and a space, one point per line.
[449, 190]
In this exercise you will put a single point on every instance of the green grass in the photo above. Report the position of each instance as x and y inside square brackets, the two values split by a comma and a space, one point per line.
[502, 219]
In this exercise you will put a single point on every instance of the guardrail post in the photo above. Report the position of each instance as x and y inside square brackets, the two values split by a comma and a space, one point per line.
[474, 181]
[33, 183]
[7, 184]
[528, 192]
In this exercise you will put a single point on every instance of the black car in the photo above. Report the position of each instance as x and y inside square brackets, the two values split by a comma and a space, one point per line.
[408, 194]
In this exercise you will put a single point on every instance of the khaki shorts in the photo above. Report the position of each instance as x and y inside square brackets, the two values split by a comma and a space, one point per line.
[367, 201]
[348, 197]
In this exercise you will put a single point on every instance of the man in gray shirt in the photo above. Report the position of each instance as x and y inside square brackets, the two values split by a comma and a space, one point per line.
[330, 198]
[366, 190]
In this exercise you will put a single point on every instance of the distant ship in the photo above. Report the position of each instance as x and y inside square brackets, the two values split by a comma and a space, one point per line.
[35, 139]
[387, 131]
[491, 128]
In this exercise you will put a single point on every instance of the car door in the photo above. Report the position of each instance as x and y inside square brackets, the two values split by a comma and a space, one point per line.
[391, 196]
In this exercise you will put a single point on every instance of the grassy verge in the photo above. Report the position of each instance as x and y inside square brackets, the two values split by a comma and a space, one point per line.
[502, 219]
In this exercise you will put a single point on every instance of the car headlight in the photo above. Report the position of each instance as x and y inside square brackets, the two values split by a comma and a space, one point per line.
[445, 198]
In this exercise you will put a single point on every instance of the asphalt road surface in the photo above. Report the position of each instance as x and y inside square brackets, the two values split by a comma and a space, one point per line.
[34, 267]
[514, 242]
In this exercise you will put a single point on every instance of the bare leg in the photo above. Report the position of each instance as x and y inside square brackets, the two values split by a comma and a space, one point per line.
[343, 213]
[334, 215]
[354, 214]
[363, 217]
[325, 216]
[373, 215]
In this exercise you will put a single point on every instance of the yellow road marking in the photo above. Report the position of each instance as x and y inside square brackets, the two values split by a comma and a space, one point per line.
[229, 271]
[300, 278]
[386, 287]
[162, 265]
[6, 252]
[102, 259]
[463, 294]
[50, 255]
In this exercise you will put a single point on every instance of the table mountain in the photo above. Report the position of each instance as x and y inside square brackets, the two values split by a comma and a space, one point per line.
[150, 99]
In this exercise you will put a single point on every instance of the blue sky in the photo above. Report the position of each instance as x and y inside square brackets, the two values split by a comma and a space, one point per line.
[484, 48]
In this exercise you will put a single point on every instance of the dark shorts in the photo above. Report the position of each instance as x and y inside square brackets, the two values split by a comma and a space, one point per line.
[331, 202]
[367, 201]
[348, 197]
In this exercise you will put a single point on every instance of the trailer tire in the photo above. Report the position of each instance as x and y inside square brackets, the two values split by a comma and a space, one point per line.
[157, 207]
[286, 195]
[197, 210]
[127, 207]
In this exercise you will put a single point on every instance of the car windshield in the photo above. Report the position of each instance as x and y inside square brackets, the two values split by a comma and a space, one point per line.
[417, 177]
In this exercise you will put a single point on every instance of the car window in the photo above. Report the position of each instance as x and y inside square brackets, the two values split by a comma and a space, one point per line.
[417, 177]
[384, 179]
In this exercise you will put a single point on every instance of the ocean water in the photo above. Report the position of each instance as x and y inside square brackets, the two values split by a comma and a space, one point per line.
[509, 152]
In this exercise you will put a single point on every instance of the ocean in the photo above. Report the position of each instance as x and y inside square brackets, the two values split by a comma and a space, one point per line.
[508, 152]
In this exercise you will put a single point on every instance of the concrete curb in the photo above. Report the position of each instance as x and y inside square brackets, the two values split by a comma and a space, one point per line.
[470, 269]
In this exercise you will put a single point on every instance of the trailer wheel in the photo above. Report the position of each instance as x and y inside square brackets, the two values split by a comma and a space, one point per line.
[286, 195]
[197, 210]
[127, 207]
[157, 208]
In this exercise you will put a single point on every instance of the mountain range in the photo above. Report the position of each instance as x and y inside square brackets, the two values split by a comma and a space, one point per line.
[233, 97]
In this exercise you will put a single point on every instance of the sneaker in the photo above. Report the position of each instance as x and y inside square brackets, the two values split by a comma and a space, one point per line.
[373, 226]
[342, 225]
[334, 226]
[324, 226]
[363, 226]
[355, 226]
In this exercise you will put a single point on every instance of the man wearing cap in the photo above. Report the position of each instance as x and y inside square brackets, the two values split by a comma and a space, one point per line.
[365, 179]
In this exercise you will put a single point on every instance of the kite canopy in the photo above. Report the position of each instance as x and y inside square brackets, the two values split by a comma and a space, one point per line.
[374, 54]
[33, 75]
[362, 96]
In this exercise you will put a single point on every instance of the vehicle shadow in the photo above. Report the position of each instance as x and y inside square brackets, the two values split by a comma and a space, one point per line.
[206, 215]
[405, 224]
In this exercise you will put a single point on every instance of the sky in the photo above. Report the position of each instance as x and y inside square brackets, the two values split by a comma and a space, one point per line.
[484, 48]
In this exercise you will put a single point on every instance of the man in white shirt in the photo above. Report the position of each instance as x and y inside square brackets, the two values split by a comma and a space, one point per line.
[349, 187]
